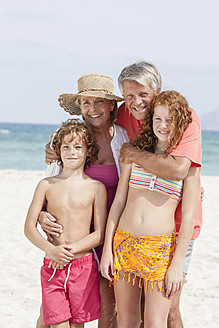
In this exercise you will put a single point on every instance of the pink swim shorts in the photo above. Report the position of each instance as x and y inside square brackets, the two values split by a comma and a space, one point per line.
[72, 293]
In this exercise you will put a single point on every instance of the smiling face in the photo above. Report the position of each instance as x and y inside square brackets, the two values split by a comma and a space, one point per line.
[96, 111]
[137, 98]
[73, 151]
[161, 125]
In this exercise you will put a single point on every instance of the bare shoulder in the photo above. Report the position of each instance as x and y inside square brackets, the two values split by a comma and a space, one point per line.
[100, 191]
[100, 186]
[42, 187]
[43, 183]
[52, 180]
[48, 182]
[97, 185]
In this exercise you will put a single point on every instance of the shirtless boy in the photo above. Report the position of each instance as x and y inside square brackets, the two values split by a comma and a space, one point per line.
[69, 276]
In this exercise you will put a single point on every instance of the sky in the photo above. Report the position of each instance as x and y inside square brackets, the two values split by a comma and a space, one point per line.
[46, 45]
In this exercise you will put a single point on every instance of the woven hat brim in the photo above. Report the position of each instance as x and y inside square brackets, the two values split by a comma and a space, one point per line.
[68, 100]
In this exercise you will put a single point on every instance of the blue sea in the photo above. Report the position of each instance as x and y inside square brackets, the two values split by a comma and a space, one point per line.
[22, 147]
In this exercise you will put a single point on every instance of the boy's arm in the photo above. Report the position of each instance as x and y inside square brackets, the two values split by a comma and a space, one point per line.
[165, 166]
[59, 253]
[46, 220]
[100, 214]
[113, 220]
[189, 208]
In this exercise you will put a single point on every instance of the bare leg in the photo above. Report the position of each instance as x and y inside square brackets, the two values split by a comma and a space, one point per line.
[174, 317]
[156, 308]
[40, 321]
[64, 324]
[128, 303]
[142, 307]
[108, 311]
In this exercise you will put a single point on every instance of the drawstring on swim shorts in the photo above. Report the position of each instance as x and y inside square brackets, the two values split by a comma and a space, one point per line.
[66, 279]
[54, 271]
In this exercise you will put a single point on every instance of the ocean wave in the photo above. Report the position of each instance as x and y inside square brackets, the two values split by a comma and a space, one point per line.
[5, 131]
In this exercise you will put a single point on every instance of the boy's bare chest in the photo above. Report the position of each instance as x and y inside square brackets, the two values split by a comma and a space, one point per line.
[70, 196]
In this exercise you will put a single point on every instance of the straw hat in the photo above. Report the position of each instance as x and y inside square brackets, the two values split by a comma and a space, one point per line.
[92, 85]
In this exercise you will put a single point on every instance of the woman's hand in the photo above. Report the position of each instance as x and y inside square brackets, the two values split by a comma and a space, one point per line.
[47, 222]
[173, 280]
[50, 156]
[61, 254]
[106, 265]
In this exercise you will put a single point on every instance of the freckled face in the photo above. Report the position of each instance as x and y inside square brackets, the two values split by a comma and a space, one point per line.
[73, 151]
[96, 111]
[137, 98]
[161, 122]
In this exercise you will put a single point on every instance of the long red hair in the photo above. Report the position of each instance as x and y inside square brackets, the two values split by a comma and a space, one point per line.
[180, 115]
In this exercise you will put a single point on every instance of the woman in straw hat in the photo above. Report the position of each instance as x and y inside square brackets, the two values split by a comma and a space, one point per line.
[97, 103]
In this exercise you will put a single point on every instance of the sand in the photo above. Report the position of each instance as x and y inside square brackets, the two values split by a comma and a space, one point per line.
[21, 261]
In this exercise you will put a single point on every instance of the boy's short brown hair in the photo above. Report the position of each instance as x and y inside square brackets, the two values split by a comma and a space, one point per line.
[85, 131]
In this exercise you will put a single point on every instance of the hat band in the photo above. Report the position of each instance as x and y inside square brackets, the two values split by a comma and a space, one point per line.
[104, 90]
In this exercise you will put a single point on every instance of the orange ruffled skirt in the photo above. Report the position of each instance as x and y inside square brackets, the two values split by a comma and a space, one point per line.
[147, 257]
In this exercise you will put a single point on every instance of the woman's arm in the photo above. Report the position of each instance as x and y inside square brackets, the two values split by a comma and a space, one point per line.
[50, 156]
[174, 276]
[59, 253]
[113, 220]
[49, 225]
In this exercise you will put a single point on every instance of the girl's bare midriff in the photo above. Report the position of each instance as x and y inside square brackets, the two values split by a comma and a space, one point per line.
[148, 213]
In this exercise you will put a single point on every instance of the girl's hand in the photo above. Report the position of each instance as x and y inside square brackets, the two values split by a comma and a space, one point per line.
[173, 280]
[106, 265]
[61, 253]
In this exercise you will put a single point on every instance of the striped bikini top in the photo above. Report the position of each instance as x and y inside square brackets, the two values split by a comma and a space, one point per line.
[143, 180]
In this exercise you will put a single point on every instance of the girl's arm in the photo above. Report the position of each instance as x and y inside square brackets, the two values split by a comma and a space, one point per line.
[58, 253]
[100, 214]
[113, 220]
[174, 276]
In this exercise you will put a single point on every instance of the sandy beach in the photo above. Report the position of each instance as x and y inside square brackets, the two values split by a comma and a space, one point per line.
[21, 261]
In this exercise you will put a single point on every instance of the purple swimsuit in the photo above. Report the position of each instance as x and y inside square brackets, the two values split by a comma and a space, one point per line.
[108, 175]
